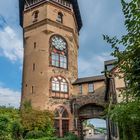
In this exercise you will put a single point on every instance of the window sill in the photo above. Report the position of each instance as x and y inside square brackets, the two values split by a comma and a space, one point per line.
[59, 92]
[59, 95]
[91, 92]
[35, 20]
[58, 67]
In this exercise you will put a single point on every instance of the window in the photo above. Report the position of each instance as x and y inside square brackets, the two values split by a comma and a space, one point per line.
[33, 66]
[64, 87]
[65, 114]
[63, 61]
[90, 88]
[59, 84]
[55, 59]
[55, 85]
[35, 16]
[32, 90]
[80, 89]
[61, 117]
[110, 67]
[58, 51]
[34, 45]
[60, 17]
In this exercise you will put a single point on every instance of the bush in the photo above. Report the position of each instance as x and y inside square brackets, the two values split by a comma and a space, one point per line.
[17, 130]
[10, 127]
[71, 136]
[39, 121]
[46, 138]
[5, 128]
[35, 134]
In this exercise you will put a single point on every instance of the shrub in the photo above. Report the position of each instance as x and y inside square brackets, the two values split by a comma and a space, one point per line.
[35, 134]
[70, 136]
[46, 138]
[5, 128]
[17, 130]
[39, 122]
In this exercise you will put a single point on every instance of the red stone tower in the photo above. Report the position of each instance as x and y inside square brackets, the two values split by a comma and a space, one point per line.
[51, 29]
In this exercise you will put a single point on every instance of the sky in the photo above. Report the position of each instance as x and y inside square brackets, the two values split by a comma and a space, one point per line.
[98, 123]
[99, 17]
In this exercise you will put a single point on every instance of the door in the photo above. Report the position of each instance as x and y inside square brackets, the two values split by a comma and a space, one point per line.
[65, 127]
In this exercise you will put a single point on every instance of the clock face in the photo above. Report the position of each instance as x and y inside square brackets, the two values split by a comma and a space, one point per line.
[59, 43]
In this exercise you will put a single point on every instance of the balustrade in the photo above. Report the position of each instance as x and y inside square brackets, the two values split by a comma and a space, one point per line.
[65, 3]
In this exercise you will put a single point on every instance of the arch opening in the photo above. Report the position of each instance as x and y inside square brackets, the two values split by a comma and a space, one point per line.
[61, 122]
[90, 116]
[94, 128]
[89, 111]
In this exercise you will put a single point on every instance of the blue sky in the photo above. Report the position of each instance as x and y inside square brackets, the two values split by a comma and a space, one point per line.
[98, 122]
[99, 17]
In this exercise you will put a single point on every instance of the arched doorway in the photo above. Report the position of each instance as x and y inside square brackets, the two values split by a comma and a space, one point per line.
[95, 128]
[88, 111]
[61, 121]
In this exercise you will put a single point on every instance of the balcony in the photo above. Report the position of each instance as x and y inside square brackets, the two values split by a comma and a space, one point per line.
[30, 3]
[65, 3]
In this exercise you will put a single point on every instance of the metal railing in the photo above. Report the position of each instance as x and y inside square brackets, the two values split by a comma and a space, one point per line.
[31, 2]
[61, 2]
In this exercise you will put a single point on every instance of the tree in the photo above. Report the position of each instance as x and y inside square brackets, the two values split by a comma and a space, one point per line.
[36, 123]
[127, 113]
[10, 126]
[129, 59]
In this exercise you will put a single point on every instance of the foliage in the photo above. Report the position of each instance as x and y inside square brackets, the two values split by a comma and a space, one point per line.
[14, 125]
[71, 136]
[87, 123]
[17, 130]
[101, 130]
[38, 120]
[127, 113]
[4, 128]
[129, 59]
[10, 112]
[36, 123]
[35, 134]
[8, 118]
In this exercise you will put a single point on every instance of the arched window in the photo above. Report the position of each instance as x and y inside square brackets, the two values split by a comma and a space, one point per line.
[35, 16]
[65, 114]
[62, 117]
[58, 51]
[56, 114]
[59, 84]
[60, 17]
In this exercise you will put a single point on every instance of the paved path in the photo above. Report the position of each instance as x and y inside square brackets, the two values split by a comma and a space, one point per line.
[96, 137]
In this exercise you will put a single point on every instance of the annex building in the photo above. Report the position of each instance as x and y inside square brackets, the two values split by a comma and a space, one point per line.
[50, 70]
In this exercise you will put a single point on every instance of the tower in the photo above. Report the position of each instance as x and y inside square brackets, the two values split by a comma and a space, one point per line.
[51, 29]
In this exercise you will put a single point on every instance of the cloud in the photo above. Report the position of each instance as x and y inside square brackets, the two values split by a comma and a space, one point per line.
[9, 97]
[10, 44]
[93, 65]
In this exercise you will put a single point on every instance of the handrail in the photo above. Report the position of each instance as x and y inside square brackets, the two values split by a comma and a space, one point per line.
[30, 3]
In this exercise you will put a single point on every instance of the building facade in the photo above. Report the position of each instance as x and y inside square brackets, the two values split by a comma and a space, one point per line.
[50, 70]
[115, 85]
